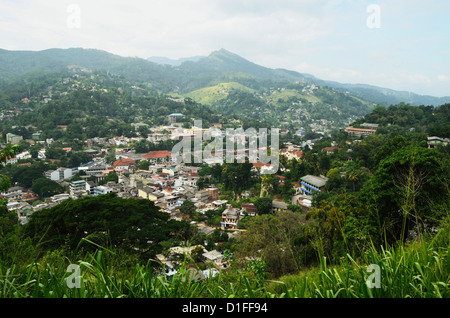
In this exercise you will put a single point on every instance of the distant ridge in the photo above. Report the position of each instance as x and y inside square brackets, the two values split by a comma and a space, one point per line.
[188, 74]
[173, 62]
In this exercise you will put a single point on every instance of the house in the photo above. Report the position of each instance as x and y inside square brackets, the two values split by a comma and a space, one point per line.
[145, 192]
[311, 184]
[125, 164]
[173, 117]
[99, 190]
[278, 205]
[154, 138]
[214, 257]
[250, 208]
[23, 155]
[262, 167]
[58, 198]
[330, 150]
[171, 171]
[10, 160]
[23, 210]
[93, 170]
[291, 154]
[169, 201]
[149, 194]
[91, 152]
[230, 218]
[217, 204]
[154, 157]
[214, 193]
[186, 181]
[203, 195]
[434, 141]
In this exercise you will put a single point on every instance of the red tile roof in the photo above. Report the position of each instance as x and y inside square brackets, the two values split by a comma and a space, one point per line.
[297, 153]
[157, 154]
[331, 148]
[124, 162]
[260, 164]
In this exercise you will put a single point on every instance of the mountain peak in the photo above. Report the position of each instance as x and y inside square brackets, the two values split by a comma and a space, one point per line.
[223, 53]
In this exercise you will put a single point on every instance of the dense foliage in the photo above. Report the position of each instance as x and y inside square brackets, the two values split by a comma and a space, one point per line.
[107, 221]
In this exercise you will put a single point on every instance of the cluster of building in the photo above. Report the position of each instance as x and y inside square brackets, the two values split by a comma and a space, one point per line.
[21, 200]
[165, 182]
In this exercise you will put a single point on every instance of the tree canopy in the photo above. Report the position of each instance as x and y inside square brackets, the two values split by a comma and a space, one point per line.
[131, 224]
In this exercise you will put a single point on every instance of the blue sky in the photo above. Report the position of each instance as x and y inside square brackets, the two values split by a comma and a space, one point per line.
[331, 39]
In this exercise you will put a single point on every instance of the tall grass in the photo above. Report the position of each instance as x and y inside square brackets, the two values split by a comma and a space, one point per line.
[417, 271]
[421, 270]
[48, 279]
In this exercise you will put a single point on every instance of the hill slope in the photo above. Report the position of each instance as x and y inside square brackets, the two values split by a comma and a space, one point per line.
[193, 73]
[224, 81]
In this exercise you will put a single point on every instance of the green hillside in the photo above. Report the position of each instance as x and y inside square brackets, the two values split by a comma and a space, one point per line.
[220, 66]
[213, 94]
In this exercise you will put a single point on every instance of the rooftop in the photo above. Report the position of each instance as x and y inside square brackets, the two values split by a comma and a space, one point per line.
[157, 154]
[314, 180]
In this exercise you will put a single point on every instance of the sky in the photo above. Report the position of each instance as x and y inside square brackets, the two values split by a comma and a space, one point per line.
[397, 44]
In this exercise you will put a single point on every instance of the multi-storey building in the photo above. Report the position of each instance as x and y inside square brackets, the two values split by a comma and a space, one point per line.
[311, 184]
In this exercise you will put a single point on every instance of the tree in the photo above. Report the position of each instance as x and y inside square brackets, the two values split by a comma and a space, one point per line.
[143, 165]
[8, 152]
[188, 207]
[5, 183]
[408, 190]
[263, 205]
[274, 239]
[128, 224]
[341, 225]
[45, 187]
[78, 158]
[112, 176]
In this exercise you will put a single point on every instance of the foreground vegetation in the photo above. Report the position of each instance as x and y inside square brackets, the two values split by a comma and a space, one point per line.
[421, 270]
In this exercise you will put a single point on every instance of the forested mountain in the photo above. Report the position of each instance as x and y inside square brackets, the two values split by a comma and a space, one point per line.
[193, 73]
[222, 83]
[90, 104]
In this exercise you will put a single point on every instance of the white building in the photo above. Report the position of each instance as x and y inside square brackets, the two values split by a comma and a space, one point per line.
[78, 189]
[59, 174]
[99, 190]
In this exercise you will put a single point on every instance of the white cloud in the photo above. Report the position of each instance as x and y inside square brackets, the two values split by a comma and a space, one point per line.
[443, 78]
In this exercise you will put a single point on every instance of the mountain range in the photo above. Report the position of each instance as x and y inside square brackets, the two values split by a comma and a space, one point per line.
[188, 74]
[173, 62]
[220, 87]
